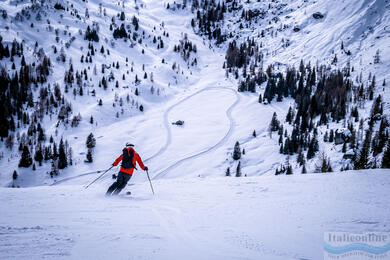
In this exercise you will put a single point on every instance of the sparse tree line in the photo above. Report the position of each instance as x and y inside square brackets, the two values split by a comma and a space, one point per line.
[319, 100]
[249, 58]
[26, 98]
[322, 97]
[210, 15]
[16, 99]
[185, 48]
[236, 156]
[132, 32]
[16, 92]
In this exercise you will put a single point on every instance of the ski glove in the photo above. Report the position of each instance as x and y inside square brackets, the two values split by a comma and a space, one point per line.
[146, 168]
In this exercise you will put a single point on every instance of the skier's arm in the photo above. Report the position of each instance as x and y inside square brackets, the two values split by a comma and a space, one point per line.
[118, 160]
[139, 161]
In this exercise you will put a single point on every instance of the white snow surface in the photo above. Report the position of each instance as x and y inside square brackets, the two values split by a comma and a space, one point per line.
[196, 213]
[263, 217]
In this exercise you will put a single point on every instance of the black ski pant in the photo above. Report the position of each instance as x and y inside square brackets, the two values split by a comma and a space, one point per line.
[119, 184]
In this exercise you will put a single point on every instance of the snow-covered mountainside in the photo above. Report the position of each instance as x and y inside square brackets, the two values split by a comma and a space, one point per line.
[206, 90]
[125, 71]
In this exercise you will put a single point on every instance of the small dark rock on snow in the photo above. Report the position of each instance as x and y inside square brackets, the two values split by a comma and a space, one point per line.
[318, 15]
[178, 122]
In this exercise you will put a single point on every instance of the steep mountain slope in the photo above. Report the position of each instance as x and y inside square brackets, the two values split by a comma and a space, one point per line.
[121, 103]
[124, 71]
[331, 57]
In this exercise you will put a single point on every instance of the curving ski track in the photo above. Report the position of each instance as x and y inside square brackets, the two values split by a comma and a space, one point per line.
[74, 177]
[169, 136]
[215, 146]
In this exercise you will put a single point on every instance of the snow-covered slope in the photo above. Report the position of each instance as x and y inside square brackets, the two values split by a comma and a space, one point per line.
[133, 88]
[114, 123]
[215, 116]
[193, 218]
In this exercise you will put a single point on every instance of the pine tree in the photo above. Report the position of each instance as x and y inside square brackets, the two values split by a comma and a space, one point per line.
[89, 156]
[41, 133]
[23, 61]
[331, 136]
[254, 133]
[238, 171]
[376, 109]
[281, 150]
[344, 149]
[313, 148]
[237, 151]
[274, 124]
[362, 160]
[228, 171]
[54, 167]
[322, 165]
[304, 168]
[25, 160]
[386, 156]
[290, 115]
[300, 157]
[62, 160]
[352, 140]
[329, 169]
[70, 154]
[55, 154]
[376, 57]
[379, 142]
[38, 155]
[289, 170]
[15, 175]
[326, 137]
[91, 141]
[47, 153]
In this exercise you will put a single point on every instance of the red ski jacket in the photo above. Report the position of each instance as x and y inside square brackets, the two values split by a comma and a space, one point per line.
[136, 158]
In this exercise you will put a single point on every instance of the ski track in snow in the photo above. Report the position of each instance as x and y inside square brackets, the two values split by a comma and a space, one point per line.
[211, 148]
[74, 177]
[169, 136]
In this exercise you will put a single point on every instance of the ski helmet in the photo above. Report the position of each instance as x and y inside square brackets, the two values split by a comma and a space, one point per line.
[128, 144]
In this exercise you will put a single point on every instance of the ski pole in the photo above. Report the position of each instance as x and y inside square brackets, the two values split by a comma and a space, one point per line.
[150, 181]
[99, 177]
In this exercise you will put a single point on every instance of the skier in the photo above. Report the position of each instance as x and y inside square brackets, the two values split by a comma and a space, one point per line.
[129, 158]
